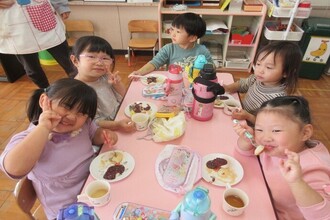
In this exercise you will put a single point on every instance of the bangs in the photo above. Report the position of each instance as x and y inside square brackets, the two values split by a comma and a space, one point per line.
[85, 104]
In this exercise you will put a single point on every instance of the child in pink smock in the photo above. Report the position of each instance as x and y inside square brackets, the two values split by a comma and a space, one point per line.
[56, 149]
[297, 169]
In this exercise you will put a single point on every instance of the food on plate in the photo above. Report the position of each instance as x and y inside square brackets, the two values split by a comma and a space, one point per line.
[113, 157]
[219, 170]
[216, 163]
[223, 97]
[151, 79]
[112, 171]
[218, 102]
[139, 107]
[226, 175]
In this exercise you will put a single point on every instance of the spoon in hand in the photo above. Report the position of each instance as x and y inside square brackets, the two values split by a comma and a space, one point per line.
[259, 148]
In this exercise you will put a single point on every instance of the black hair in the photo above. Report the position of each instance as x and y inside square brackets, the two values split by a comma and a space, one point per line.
[192, 23]
[294, 107]
[291, 56]
[93, 44]
[70, 92]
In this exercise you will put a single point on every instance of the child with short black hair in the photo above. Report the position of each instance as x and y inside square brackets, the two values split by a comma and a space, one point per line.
[186, 29]
[297, 169]
[276, 69]
[56, 150]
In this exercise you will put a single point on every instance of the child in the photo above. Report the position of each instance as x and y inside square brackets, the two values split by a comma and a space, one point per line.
[186, 29]
[94, 58]
[56, 150]
[275, 74]
[297, 169]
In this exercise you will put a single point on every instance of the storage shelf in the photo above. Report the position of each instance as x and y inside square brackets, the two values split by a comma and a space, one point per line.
[279, 35]
[253, 20]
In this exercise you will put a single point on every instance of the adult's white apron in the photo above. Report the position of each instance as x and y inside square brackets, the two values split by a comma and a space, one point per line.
[30, 28]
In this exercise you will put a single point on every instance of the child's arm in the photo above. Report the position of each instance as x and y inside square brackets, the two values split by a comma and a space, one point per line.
[291, 170]
[147, 68]
[104, 136]
[231, 88]
[21, 159]
[125, 125]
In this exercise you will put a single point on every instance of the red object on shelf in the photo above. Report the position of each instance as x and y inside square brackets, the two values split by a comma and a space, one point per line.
[304, 5]
[241, 39]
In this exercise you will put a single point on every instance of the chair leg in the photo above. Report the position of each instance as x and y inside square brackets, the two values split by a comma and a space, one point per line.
[128, 56]
[154, 51]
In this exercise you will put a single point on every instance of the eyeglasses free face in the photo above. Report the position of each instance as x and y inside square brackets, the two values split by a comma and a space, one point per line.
[95, 59]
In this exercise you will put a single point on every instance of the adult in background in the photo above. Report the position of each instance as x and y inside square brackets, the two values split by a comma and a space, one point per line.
[30, 26]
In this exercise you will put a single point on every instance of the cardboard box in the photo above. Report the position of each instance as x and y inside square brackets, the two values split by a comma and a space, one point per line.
[252, 5]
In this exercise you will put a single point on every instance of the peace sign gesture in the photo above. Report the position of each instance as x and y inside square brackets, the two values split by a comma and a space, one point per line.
[48, 118]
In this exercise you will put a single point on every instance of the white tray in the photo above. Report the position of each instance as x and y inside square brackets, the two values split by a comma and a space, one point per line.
[279, 35]
[287, 12]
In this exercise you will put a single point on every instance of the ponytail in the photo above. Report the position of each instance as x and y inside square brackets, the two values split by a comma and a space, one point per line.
[33, 108]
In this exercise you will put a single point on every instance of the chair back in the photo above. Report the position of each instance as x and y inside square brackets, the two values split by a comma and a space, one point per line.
[77, 28]
[26, 198]
[143, 26]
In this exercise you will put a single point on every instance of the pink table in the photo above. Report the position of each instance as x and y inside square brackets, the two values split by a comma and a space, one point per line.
[214, 136]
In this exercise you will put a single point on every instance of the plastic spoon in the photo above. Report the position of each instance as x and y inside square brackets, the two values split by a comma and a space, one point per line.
[259, 148]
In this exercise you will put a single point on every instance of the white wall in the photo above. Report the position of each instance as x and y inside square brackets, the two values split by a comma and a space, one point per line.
[321, 8]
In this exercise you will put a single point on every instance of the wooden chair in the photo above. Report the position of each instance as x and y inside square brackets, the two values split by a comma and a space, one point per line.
[26, 197]
[75, 27]
[137, 29]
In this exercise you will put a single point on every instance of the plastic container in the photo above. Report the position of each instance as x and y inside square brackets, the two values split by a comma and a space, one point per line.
[77, 211]
[279, 35]
[287, 12]
[315, 46]
[46, 58]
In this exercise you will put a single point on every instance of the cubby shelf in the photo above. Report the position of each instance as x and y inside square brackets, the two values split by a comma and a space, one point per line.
[224, 46]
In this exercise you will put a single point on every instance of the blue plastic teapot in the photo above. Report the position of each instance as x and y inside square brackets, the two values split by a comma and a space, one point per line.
[195, 206]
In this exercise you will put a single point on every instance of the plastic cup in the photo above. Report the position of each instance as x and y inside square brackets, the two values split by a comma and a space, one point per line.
[141, 121]
[234, 201]
[97, 193]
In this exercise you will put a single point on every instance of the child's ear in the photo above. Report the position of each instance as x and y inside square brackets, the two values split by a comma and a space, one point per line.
[307, 132]
[43, 101]
[193, 38]
[74, 60]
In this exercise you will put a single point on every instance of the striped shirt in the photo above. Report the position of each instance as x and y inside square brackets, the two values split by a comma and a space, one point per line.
[257, 93]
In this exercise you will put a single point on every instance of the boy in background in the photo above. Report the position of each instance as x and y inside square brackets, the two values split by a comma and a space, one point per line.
[186, 29]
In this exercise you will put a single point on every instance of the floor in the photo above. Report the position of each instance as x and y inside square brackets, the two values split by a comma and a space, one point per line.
[13, 97]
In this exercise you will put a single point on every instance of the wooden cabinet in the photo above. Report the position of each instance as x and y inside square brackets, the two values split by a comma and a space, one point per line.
[229, 53]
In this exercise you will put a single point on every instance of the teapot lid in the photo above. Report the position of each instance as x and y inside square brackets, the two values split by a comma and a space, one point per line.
[208, 72]
[197, 201]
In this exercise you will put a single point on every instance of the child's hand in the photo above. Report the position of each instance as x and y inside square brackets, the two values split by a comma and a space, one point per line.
[290, 167]
[114, 78]
[135, 75]
[126, 125]
[241, 127]
[48, 118]
[110, 137]
[239, 114]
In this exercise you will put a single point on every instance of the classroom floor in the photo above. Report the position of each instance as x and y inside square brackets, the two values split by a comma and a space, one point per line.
[13, 97]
